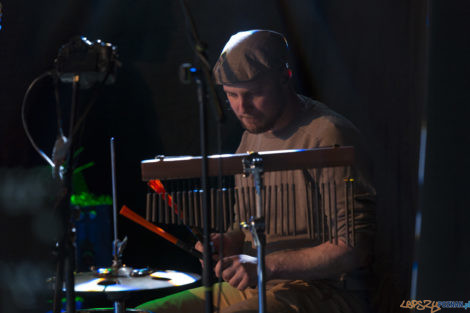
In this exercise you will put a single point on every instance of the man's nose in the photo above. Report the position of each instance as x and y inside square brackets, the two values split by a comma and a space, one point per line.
[245, 104]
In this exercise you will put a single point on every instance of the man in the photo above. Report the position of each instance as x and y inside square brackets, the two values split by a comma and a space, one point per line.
[324, 272]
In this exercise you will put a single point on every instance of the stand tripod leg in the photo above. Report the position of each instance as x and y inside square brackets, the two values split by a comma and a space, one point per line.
[256, 227]
[119, 306]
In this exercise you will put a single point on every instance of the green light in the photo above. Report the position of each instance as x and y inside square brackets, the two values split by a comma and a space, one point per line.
[86, 199]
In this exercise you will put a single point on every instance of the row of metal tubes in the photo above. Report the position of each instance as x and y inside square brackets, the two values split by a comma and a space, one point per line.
[248, 207]
[191, 210]
[245, 197]
[316, 226]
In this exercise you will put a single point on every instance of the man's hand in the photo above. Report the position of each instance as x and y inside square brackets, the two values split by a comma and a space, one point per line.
[232, 243]
[240, 271]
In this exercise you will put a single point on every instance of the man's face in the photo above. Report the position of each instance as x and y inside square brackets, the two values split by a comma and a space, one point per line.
[257, 104]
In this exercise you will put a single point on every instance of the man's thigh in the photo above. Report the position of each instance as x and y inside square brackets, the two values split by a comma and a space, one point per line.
[284, 297]
[192, 300]
[300, 296]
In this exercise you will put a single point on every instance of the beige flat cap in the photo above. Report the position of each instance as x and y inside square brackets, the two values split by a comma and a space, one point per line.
[249, 54]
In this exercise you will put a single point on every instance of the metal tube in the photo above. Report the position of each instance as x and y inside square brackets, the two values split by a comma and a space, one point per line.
[196, 208]
[353, 222]
[148, 207]
[322, 212]
[212, 208]
[329, 213]
[287, 209]
[184, 207]
[153, 200]
[171, 209]
[250, 195]
[113, 179]
[282, 208]
[222, 194]
[237, 201]
[179, 211]
[166, 210]
[231, 209]
[336, 212]
[346, 207]
[294, 208]
[161, 217]
[268, 209]
[275, 208]
[192, 220]
[309, 209]
[316, 190]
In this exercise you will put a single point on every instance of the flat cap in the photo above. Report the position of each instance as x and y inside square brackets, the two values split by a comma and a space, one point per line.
[249, 54]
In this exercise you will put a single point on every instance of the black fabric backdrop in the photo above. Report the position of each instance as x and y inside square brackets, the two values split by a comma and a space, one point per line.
[366, 59]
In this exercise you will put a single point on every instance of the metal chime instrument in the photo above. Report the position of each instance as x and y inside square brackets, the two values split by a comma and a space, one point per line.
[175, 196]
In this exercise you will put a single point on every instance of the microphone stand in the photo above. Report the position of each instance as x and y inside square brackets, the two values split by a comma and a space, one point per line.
[253, 165]
[66, 244]
[207, 257]
[204, 86]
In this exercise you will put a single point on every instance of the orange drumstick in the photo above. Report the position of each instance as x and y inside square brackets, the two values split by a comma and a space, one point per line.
[125, 211]
[158, 187]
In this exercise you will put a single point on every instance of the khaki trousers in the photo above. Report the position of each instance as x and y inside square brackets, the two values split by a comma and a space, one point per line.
[281, 297]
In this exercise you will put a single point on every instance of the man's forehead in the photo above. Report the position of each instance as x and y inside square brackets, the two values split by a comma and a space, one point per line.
[243, 86]
[252, 84]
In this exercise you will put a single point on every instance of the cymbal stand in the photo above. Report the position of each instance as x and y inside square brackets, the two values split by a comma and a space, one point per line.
[253, 164]
[118, 246]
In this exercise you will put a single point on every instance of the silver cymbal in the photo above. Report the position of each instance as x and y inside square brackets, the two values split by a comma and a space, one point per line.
[94, 282]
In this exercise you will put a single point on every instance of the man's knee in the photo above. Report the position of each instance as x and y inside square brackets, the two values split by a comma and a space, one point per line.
[184, 301]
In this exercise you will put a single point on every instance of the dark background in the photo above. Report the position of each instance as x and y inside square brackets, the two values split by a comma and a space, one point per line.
[395, 68]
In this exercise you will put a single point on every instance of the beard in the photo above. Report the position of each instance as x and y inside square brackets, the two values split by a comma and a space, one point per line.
[263, 124]
[260, 128]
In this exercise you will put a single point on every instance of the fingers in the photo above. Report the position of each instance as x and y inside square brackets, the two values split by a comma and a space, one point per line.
[198, 246]
[237, 272]
[222, 265]
[240, 280]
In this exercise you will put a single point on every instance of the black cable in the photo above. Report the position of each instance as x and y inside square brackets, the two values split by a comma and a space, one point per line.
[23, 116]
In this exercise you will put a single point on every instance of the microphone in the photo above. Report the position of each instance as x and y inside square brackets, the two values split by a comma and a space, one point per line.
[59, 153]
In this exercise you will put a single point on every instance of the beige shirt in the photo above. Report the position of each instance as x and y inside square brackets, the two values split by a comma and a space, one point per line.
[304, 208]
